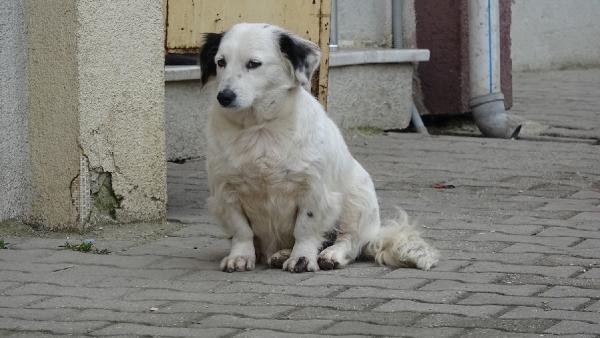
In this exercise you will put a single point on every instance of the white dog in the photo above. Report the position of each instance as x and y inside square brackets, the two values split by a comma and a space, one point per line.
[282, 181]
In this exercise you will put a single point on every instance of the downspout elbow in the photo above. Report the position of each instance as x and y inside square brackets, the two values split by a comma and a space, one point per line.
[491, 117]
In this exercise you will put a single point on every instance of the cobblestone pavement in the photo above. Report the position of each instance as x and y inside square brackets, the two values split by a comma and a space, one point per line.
[519, 235]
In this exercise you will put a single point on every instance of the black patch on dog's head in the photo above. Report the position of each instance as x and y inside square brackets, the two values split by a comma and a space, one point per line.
[294, 50]
[303, 55]
[209, 50]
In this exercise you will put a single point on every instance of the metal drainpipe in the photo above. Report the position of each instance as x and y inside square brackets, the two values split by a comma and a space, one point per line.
[333, 24]
[487, 101]
[397, 42]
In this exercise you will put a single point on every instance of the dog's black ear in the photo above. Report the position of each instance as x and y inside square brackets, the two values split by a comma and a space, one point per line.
[209, 50]
[303, 55]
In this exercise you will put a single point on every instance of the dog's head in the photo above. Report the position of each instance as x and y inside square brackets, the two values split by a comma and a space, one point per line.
[256, 63]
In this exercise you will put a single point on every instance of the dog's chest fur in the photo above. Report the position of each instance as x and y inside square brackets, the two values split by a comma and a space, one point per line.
[269, 182]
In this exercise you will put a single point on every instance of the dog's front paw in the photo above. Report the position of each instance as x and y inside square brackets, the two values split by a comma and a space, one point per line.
[238, 263]
[277, 259]
[301, 264]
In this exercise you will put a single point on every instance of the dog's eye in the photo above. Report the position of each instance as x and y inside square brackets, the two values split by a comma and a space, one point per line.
[221, 63]
[252, 64]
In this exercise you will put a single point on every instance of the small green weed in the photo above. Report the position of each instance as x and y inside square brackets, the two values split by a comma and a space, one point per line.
[3, 244]
[85, 246]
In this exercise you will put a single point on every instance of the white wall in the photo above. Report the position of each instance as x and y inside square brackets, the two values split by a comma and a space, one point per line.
[551, 34]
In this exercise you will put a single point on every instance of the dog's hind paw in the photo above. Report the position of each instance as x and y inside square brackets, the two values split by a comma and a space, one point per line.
[326, 263]
[301, 264]
[333, 257]
[238, 263]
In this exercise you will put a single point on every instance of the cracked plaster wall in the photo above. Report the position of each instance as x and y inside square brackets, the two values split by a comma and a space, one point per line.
[121, 59]
[96, 121]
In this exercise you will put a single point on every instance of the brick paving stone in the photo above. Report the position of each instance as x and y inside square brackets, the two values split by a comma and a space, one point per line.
[250, 288]
[587, 216]
[285, 325]
[490, 333]
[563, 303]
[144, 283]
[63, 277]
[560, 271]
[264, 276]
[512, 290]
[55, 290]
[148, 330]
[51, 245]
[508, 258]
[38, 267]
[465, 310]
[575, 327]
[256, 311]
[529, 248]
[509, 325]
[586, 195]
[114, 260]
[592, 273]
[587, 283]
[337, 303]
[381, 318]
[405, 283]
[101, 271]
[520, 229]
[7, 285]
[151, 318]
[550, 241]
[18, 301]
[594, 307]
[588, 244]
[217, 298]
[254, 333]
[562, 231]
[557, 260]
[518, 220]
[358, 269]
[572, 205]
[185, 263]
[471, 246]
[28, 334]
[24, 256]
[450, 265]
[56, 327]
[353, 327]
[534, 312]
[569, 291]
[474, 277]
[86, 303]
[35, 314]
[446, 296]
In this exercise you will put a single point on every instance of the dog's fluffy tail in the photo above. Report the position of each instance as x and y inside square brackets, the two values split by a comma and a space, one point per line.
[398, 244]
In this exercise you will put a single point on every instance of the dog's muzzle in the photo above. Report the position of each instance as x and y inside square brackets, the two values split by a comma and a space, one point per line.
[226, 97]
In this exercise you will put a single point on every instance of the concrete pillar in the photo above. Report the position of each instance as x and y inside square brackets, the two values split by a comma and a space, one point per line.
[96, 111]
[14, 165]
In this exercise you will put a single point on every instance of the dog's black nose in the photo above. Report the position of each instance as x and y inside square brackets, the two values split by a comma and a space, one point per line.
[226, 97]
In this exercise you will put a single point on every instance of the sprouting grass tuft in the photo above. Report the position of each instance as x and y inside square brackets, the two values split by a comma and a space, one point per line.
[85, 246]
[3, 244]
